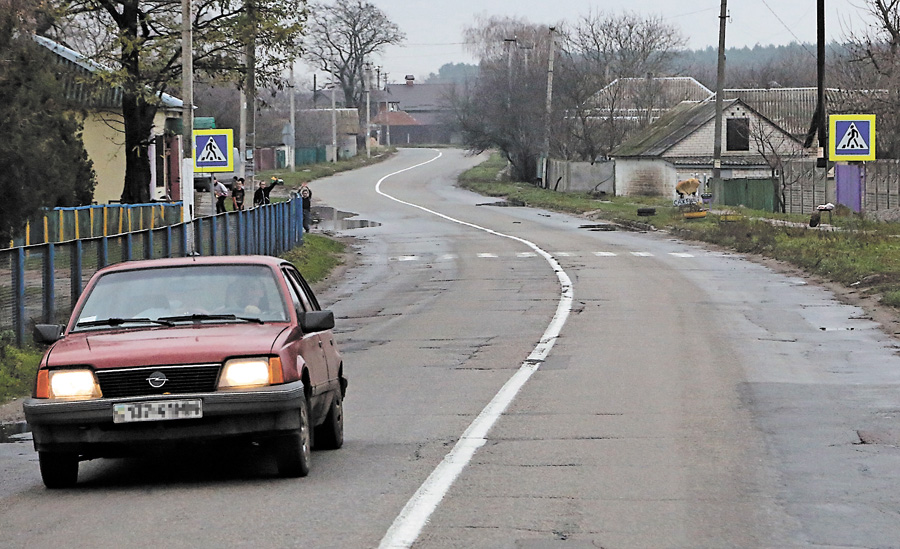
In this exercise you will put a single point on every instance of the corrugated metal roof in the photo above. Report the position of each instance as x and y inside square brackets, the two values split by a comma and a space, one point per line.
[91, 95]
[675, 125]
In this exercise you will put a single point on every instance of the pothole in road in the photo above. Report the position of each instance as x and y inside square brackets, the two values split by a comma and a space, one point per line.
[332, 219]
[512, 202]
[14, 432]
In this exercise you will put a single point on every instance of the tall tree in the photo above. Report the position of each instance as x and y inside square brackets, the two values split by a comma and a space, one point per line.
[599, 48]
[341, 38]
[138, 43]
[872, 62]
[42, 158]
[505, 107]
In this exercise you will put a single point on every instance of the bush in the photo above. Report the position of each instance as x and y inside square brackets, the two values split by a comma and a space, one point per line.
[18, 368]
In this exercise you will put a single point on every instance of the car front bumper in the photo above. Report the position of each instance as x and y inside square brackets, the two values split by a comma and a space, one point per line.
[86, 427]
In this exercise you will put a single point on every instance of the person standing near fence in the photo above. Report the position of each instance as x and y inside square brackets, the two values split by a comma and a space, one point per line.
[306, 197]
[237, 194]
[221, 193]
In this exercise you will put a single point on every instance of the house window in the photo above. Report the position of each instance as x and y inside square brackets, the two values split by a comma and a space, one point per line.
[737, 134]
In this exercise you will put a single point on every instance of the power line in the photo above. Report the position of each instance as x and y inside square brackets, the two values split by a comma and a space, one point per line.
[802, 45]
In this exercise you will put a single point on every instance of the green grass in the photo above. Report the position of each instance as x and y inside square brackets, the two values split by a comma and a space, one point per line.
[310, 172]
[18, 368]
[861, 253]
[317, 257]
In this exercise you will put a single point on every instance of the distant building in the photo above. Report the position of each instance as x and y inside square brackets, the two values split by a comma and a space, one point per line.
[679, 145]
[414, 114]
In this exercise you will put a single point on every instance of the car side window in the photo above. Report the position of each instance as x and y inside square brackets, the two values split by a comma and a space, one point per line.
[297, 291]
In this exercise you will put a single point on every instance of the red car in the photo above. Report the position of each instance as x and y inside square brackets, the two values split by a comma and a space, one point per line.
[182, 350]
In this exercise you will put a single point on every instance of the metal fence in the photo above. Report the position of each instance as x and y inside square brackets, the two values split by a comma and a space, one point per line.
[62, 224]
[40, 283]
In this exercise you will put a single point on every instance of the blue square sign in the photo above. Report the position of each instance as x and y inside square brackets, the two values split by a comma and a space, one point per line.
[213, 151]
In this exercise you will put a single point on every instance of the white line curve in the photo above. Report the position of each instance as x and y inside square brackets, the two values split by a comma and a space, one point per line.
[405, 529]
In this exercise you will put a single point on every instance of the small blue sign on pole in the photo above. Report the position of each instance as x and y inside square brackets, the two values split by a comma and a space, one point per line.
[852, 137]
[213, 151]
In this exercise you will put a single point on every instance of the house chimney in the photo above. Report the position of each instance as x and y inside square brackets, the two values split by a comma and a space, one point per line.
[410, 80]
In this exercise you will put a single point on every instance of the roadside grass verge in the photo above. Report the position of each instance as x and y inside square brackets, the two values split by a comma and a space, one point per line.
[316, 258]
[18, 367]
[310, 172]
[857, 253]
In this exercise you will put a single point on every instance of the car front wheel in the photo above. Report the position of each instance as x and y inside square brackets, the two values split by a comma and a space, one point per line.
[330, 435]
[292, 451]
[58, 470]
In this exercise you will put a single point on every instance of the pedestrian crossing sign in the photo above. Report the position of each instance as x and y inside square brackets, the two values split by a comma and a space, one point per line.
[213, 151]
[851, 137]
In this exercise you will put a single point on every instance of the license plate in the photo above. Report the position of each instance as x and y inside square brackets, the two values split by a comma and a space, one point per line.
[157, 410]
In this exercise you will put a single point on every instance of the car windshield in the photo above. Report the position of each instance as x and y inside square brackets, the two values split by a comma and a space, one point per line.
[175, 295]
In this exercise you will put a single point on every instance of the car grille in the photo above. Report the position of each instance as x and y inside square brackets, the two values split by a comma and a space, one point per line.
[179, 379]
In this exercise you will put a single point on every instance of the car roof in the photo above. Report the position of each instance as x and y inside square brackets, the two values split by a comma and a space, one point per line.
[191, 261]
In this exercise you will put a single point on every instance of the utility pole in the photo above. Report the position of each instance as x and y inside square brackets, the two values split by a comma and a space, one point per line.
[367, 84]
[292, 138]
[187, 145]
[250, 86]
[822, 159]
[509, 44]
[720, 85]
[334, 153]
[387, 111]
[546, 151]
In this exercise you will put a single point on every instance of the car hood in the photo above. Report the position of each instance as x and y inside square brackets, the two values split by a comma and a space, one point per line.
[193, 344]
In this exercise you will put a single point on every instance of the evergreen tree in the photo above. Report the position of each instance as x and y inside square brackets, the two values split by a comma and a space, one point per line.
[43, 163]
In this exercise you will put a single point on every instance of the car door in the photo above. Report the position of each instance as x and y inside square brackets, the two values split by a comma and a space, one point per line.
[311, 347]
[308, 298]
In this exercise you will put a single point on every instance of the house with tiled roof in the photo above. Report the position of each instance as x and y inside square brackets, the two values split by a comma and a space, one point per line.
[100, 110]
[679, 145]
[414, 113]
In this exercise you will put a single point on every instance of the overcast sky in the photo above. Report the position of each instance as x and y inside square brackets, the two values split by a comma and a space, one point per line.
[433, 28]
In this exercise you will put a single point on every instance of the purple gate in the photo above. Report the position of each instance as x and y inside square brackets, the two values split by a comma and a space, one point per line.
[848, 181]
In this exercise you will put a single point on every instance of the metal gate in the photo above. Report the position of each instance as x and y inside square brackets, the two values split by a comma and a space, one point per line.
[756, 194]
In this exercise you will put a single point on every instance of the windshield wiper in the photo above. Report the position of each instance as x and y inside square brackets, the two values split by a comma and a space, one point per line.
[119, 321]
[203, 317]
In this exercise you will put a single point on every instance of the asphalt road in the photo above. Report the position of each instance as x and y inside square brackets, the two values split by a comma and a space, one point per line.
[664, 395]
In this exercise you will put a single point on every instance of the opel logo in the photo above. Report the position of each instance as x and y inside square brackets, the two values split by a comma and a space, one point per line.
[157, 380]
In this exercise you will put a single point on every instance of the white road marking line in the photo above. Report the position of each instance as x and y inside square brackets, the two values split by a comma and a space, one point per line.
[526, 254]
[642, 254]
[405, 258]
[486, 255]
[447, 257]
[566, 254]
[681, 254]
[605, 254]
[415, 514]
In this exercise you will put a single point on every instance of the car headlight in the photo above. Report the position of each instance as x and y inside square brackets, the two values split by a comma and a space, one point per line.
[68, 384]
[251, 372]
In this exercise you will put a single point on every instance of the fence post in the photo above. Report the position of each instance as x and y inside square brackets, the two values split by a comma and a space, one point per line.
[103, 252]
[213, 234]
[129, 247]
[19, 314]
[49, 283]
[75, 275]
[148, 246]
[168, 241]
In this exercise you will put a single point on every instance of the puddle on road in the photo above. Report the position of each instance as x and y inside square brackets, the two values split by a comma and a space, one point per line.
[14, 432]
[332, 219]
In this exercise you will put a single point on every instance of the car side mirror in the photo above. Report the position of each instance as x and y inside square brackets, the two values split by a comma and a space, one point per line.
[47, 333]
[316, 321]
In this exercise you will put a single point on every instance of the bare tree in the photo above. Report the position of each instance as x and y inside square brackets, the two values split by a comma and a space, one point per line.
[777, 148]
[872, 63]
[599, 48]
[505, 108]
[137, 46]
[342, 36]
